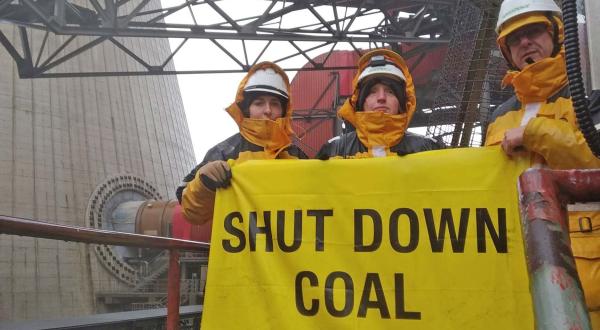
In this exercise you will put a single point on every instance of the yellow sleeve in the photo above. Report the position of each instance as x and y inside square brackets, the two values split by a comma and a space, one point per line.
[562, 145]
[494, 135]
[197, 202]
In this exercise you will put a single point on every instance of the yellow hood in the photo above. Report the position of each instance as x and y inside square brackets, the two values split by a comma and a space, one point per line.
[274, 136]
[540, 80]
[371, 128]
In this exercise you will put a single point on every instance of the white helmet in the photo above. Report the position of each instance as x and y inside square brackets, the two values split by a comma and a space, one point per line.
[268, 81]
[513, 8]
[378, 65]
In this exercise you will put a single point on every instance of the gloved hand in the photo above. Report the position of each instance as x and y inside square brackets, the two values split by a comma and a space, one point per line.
[216, 174]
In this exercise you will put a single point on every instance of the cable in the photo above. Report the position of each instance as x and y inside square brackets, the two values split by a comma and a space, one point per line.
[576, 87]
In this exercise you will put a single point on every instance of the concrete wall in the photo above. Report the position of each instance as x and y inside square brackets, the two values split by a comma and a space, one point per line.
[59, 139]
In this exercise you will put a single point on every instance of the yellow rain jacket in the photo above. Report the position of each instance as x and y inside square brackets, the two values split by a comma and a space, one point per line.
[552, 135]
[378, 134]
[257, 139]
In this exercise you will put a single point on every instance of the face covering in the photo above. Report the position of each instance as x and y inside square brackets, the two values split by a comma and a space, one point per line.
[540, 80]
[377, 130]
[269, 134]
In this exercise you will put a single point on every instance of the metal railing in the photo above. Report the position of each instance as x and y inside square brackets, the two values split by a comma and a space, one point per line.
[555, 286]
[27, 227]
[543, 196]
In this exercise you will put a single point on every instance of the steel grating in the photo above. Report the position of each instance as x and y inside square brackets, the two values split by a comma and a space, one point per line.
[469, 88]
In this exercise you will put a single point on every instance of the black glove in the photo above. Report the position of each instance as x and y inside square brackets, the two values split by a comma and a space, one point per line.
[216, 174]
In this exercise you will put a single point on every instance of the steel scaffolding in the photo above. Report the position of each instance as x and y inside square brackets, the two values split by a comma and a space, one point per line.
[296, 29]
[469, 87]
[290, 33]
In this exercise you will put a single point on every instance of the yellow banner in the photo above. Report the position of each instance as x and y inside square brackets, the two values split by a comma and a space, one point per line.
[426, 241]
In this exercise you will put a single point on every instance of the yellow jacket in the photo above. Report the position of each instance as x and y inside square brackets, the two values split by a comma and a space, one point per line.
[552, 135]
[257, 139]
[553, 132]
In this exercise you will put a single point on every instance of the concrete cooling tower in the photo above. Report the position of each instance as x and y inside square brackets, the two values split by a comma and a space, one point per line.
[77, 151]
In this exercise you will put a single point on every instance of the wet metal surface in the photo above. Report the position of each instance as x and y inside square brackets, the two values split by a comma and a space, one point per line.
[556, 290]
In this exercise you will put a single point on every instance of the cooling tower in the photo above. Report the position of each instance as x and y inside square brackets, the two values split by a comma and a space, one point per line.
[72, 151]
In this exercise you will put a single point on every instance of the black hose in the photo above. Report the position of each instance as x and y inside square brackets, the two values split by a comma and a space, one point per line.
[576, 86]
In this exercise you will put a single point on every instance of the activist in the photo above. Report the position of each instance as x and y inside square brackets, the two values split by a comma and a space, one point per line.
[540, 120]
[262, 111]
[380, 108]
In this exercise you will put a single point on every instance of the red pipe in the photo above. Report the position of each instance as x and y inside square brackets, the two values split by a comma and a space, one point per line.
[579, 185]
[555, 286]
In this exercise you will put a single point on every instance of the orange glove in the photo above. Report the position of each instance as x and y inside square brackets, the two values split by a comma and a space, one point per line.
[216, 174]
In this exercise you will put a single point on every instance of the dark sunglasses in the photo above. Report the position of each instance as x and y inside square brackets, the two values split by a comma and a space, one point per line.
[530, 31]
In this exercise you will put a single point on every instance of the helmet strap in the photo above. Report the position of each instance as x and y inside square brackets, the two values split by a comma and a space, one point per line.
[507, 58]
[555, 36]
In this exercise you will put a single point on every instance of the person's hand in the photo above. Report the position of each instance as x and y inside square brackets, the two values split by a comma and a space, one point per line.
[512, 144]
[216, 174]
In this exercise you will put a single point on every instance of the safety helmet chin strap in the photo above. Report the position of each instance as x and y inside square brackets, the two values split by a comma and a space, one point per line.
[507, 58]
[555, 36]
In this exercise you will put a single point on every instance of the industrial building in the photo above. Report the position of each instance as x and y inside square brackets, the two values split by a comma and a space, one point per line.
[71, 149]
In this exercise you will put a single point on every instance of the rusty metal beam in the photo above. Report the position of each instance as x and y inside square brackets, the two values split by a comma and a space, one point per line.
[558, 299]
[31, 228]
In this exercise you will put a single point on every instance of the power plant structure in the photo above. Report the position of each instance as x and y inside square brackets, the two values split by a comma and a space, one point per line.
[94, 134]
[71, 151]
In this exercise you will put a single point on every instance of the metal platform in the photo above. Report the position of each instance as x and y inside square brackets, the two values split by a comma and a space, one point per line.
[189, 318]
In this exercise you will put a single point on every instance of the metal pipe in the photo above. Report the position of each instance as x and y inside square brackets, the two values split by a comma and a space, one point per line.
[579, 185]
[31, 228]
[173, 291]
[557, 294]
[28, 227]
